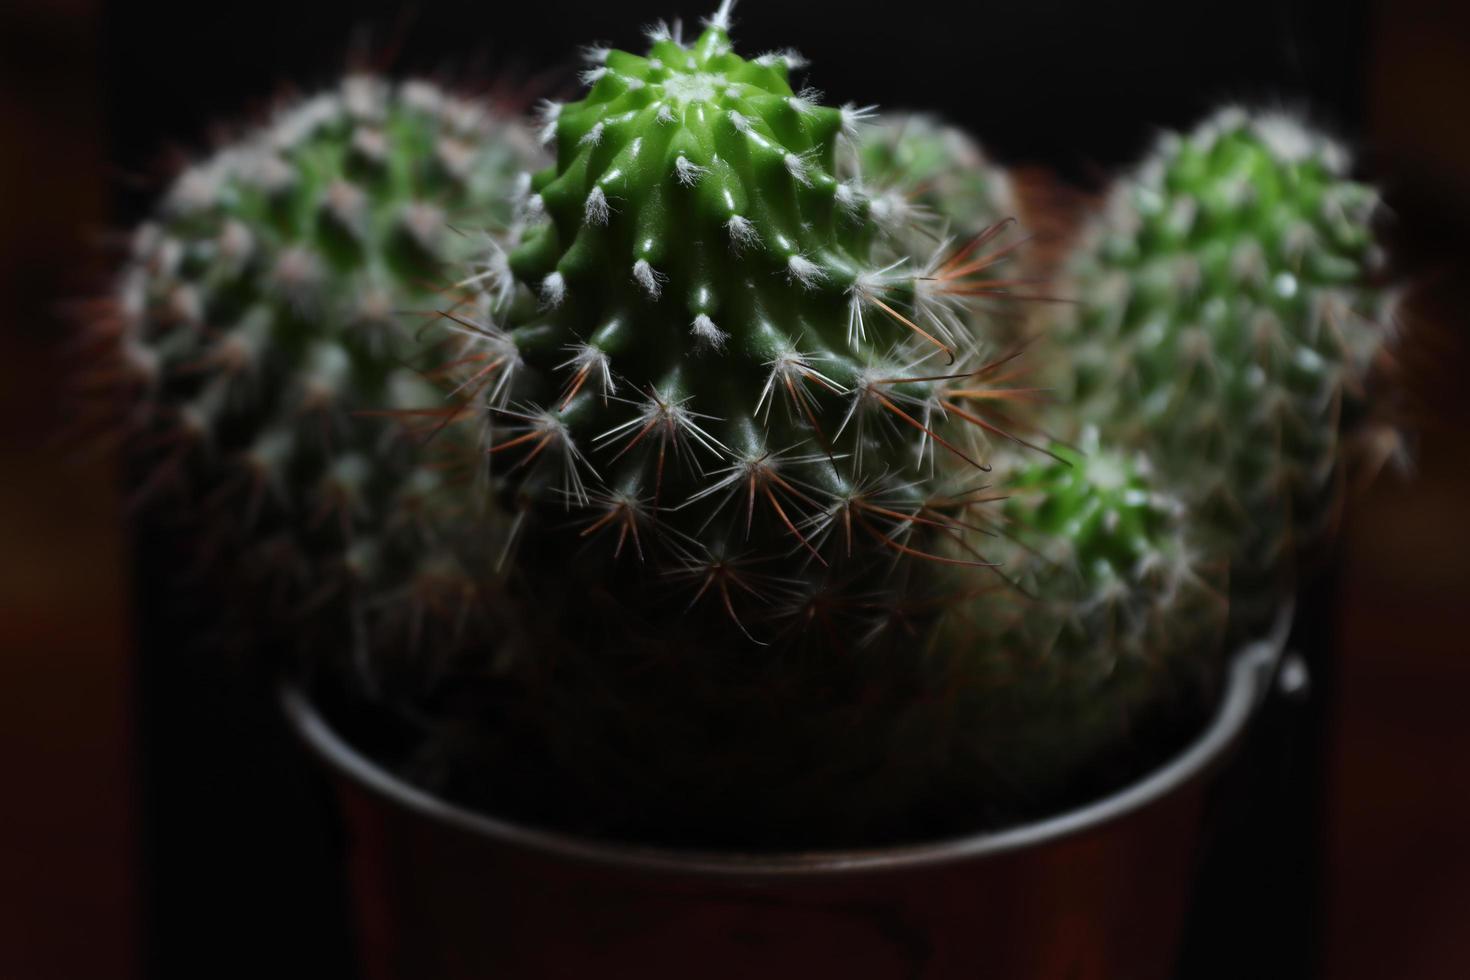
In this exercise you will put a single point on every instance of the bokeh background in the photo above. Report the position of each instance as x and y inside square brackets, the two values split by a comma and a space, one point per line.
[154, 821]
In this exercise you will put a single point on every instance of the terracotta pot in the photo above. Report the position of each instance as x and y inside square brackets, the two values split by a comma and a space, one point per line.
[1097, 892]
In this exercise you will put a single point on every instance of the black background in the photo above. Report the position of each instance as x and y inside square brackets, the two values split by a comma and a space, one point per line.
[1077, 85]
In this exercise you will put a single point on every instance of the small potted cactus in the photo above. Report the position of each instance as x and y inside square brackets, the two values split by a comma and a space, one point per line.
[746, 557]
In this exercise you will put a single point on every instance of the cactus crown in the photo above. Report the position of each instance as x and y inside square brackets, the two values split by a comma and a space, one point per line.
[690, 262]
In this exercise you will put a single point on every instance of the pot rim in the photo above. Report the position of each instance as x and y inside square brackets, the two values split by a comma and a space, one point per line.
[1251, 673]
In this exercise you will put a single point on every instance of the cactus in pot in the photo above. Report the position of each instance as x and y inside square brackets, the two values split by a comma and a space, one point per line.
[771, 543]
[751, 431]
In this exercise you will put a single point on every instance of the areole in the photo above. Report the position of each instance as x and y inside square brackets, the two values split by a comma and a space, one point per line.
[1101, 889]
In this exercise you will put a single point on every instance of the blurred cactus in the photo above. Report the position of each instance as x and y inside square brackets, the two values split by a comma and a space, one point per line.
[274, 297]
[1230, 306]
[928, 179]
[1114, 613]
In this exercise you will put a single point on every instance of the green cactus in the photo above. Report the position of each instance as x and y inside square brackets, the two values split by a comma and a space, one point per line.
[1228, 312]
[769, 559]
[713, 348]
[926, 178]
[705, 581]
[1117, 619]
[274, 297]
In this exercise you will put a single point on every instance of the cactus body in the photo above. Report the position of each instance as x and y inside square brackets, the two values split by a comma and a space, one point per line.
[709, 350]
[1227, 315]
[747, 431]
[738, 417]
[274, 298]
[984, 700]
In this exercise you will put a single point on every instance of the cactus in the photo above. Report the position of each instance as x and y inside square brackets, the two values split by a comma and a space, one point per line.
[772, 557]
[746, 432]
[1229, 309]
[930, 178]
[1113, 619]
[272, 299]
[981, 700]
[710, 350]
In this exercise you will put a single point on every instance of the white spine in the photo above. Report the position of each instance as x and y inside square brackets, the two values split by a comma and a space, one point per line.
[801, 269]
[596, 210]
[688, 173]
[742, 232]
[649, 278]
[553, 290]
[707, 335]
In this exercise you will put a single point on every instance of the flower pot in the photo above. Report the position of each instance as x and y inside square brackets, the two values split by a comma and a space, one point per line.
[1097, 892]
